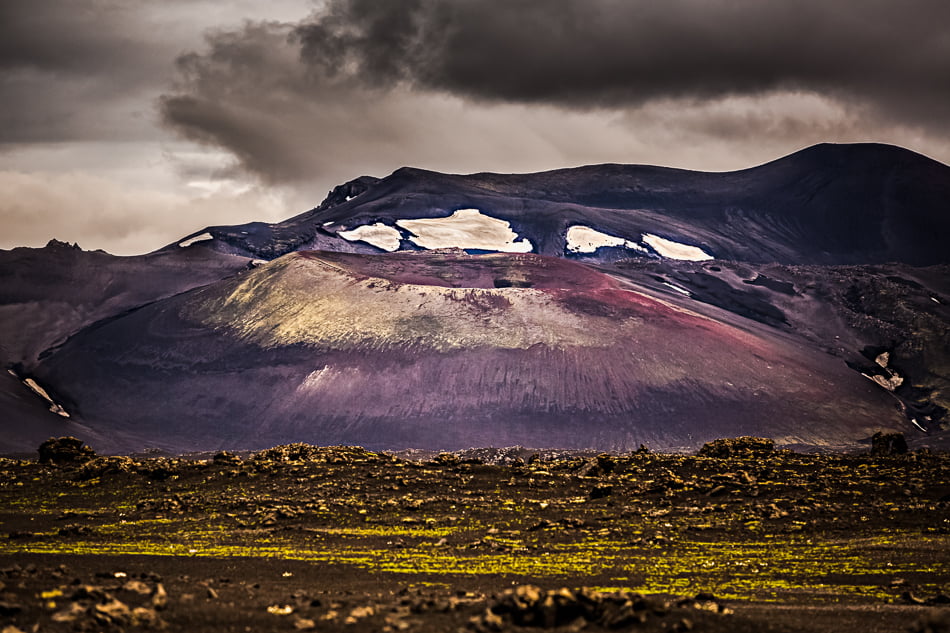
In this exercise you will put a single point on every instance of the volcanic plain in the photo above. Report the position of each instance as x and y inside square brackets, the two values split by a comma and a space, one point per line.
[737, 537]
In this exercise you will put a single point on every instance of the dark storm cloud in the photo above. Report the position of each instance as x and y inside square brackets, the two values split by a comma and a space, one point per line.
[292, 101]
[617, 52]
[225, 98]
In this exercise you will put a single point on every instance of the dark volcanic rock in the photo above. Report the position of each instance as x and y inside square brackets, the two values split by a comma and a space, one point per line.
[888, 444]
[342, 194]
[531, 606]
[287, 453]
[65, 451]
[737, 447]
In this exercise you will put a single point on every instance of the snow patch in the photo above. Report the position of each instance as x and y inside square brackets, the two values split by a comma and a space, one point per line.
[466, 228]
[198, 238]
[54, 407]
[679, 289]
[583, 239]
[379, 235]
[675, 250]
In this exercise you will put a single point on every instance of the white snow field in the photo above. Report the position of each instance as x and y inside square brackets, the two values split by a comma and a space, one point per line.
[583, 239]
[198, 238]
[379, 235]
[466, 228]
[675, 250]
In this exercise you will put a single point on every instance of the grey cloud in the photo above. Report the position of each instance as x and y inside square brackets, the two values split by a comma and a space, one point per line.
[589, 53]
[69, 37]
[364, 86]
[82, 70]
[75, 70]
[123, 219]
[237, 95]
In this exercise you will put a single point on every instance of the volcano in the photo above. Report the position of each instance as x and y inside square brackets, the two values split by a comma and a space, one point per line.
[600, 307]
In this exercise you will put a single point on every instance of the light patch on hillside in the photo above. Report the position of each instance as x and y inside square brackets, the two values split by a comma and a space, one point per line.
[379, 235]
[327, 377]
[466, 228]
[679, 289]
[298, 300]
[675, 250]
[198, 238]
[53, 406]
[583, 239]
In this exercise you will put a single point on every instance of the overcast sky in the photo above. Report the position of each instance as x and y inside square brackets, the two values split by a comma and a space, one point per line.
[127, 124]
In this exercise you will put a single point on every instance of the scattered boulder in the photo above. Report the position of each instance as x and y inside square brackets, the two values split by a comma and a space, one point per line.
[598, 466]
[8, 609]
[745, 446]
[99, 466]
[94, 608]
[112, 612]
[297, 452]
[225, 458]
[883, 444]
[531, 606]
[65, 451]
[936, 623]
[447, 460]
[159, 597]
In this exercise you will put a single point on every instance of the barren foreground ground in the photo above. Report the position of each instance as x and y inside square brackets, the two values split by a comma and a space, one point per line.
[341, 539]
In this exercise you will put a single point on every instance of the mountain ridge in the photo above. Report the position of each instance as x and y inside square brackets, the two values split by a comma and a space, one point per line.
[826, 204]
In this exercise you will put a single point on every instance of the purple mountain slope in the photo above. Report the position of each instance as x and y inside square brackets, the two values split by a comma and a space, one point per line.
[807, 300]
[828, 204]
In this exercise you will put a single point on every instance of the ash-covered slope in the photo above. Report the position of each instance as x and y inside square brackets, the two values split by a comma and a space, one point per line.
[828, 204]
[48, 294]
[446, 350]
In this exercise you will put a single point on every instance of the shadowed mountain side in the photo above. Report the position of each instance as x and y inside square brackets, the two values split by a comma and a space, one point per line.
[330, 348]
[827, 204]
[26, 420]
[854, 312]
[47, 294]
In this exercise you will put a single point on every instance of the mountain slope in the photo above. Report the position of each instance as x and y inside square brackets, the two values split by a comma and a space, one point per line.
[445, 350]
[617, 305]
[49, 294]
[827, 204]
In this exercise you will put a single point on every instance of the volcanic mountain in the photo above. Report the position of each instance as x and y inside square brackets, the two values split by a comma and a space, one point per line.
[598, 307]
[828, 204]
